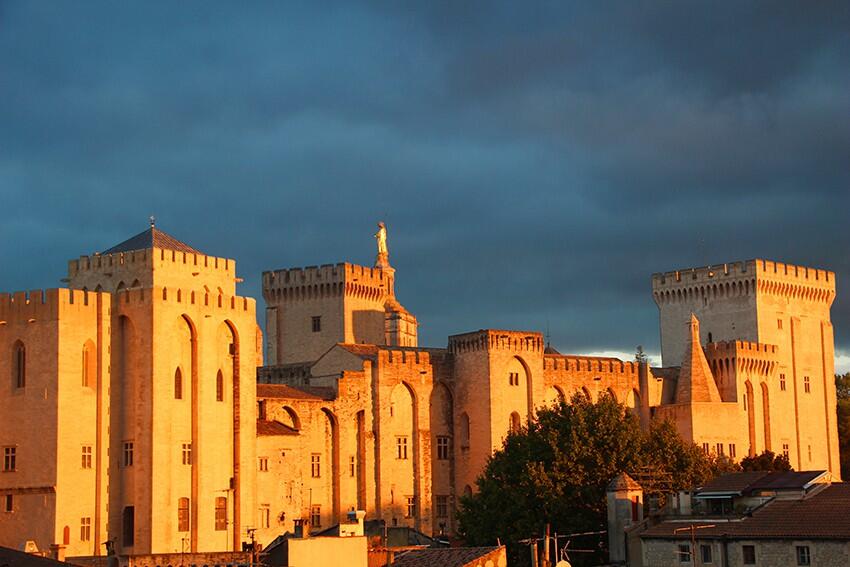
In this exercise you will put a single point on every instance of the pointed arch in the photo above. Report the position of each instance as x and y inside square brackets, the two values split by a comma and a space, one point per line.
[610, 391]
[751, 418]
[463, 426]
[292, 419]
[515, 423]
[586, 393]
[765, 401]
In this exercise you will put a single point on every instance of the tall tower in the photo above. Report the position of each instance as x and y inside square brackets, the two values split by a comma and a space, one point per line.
[182, 381]
[767, 304]
[311, 309]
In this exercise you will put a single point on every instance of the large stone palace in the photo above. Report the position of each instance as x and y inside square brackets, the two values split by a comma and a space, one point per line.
[136, 407]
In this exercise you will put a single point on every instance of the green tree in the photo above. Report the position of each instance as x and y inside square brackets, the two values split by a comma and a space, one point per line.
[842, 388]
[767, 461]
[556, 471]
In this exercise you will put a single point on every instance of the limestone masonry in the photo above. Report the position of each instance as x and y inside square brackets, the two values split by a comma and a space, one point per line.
[136, 407]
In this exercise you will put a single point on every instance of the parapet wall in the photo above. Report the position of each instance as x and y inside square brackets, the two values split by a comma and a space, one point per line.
[744, 356]
[328, 280]
[495, 339]
[744, 278]
[46, 304]
[147, 257]
[572, 363]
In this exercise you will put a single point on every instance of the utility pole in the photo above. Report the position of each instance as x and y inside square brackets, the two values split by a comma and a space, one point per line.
[693, 530]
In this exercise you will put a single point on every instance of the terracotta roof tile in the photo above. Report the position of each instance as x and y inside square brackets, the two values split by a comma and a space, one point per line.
[820, 516]
[444, 557]
[284, 391]
[266, 427]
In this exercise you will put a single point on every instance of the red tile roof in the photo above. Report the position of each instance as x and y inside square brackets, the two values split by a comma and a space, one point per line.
[442, 557]
[369, 352]
[266, 427]
[822, 515]
[284, 391]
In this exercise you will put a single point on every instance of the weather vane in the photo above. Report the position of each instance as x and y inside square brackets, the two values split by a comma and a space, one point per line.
[153, 221]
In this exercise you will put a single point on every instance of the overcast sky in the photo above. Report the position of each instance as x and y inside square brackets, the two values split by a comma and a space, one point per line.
[535, 162]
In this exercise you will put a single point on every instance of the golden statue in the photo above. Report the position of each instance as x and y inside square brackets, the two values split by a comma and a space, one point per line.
[381, 237]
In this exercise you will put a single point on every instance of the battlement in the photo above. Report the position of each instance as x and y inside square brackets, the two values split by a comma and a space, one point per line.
[150, 257]
[399, 358]
[744, 278]
[46, 304]
[576, 363]
[725, 348]
[328, 280]
[496, 339]
[211, 300]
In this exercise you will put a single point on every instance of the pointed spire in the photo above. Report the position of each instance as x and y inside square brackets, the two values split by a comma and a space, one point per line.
[696, 382]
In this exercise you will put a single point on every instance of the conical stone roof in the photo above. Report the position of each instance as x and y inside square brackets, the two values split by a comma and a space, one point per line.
[151, 238]
[696, 382]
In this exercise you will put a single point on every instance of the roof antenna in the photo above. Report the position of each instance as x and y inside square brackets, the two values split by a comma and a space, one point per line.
[153, 221]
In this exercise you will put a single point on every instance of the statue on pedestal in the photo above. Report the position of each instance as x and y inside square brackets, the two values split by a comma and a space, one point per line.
[381, 237]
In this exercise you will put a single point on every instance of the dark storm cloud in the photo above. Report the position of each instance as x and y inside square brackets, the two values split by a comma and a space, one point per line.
[535, 165]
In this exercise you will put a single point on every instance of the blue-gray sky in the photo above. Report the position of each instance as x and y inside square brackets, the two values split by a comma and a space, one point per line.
[535, 162]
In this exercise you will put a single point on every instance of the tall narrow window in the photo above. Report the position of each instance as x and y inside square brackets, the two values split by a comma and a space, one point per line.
[779, 324]
[352, 466]
[19, 365]
[316, 324]
[732, 452]
[316, 516]
[705, 448]
[442, 506]
[219, 387]
[720, 449]
[265, 515]
[411, 507]
[187, 453]
[804, 557]
[684, 554]
[749, 553]
[401, 448]
[782, 382]
[264, 464]
[442, 448]
[128, 453]
[220, 513]
[807, 385]
[89, 365]
[183, 515]
[85, 529]
[178, 384]
[316, 465]
[86, 457]
[514, 423]
[464, 431]
[128, 525]
[786, 451]
[8, 503]
[10, 459]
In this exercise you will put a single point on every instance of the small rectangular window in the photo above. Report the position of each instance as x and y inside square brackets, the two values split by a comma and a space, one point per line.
[513, 378]
[85, 529]
[9, 503]
[86, 457]
[804, 557]
[782, 382]
[442, 506]
[684, 554]
[807, 385]
[779, 324]
[786, 451]
[316, 465]
[401, 448]
[705, 553]
[187, 453]
[264, 464]
[316, 324]
[265, 516]
[220, 513]
[749, 553]
[411, 507]
[442, 448]
[128, 454]
[316, 516]
[10, 459]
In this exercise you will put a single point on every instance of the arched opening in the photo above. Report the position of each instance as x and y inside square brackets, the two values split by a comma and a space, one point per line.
[120, 287]
[442, 441]
[227, 352]
[291, 418]
[751, 417]
[19, 365]
[765, 402]
[402, 425]
[178, 384]
[332, 425]
[467, 491]
[89, 365]
[554, 395]
[514, 423]
[586, 393]
[610, 392]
